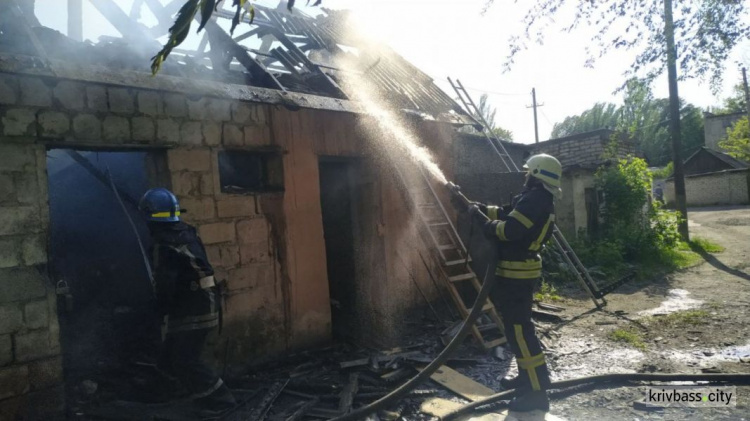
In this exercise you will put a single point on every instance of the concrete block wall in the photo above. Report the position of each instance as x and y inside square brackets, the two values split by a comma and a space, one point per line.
[718, 188]
[715, 128]
[30, 362]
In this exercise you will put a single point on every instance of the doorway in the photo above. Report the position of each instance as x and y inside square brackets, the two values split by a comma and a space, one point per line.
[108, 325]
[337, 204]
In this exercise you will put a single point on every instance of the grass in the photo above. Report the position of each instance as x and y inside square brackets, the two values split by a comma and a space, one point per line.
[547, 292]
[679, 319]
[629, 336]
[699, 244]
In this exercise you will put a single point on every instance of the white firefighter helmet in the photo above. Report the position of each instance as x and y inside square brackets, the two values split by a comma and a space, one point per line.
[547, 169]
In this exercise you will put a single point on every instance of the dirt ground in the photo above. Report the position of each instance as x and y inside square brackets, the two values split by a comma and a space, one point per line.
[716, 341]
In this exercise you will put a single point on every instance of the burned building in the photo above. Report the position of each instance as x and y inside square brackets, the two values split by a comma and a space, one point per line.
[308, 225]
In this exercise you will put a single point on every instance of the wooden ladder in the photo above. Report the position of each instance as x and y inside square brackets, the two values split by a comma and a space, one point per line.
[463, 284]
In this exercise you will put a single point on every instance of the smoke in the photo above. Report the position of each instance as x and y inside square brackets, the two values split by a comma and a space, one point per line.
[386, 129]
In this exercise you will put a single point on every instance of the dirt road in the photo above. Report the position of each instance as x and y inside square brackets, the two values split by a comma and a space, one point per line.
[708, 330]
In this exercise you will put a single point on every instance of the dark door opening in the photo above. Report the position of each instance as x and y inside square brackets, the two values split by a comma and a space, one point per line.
[336, 199]
[108, 325]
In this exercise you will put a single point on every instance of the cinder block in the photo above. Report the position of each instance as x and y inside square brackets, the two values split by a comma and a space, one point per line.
[35, 92]
[143, 129]
[27, 188]
[257, 135]
[11, 318]
[191, 133]
[70, 94]
[175, 105]
[6, 350]
[14, 381]
[121, 100]
[34, 250]
[116, 129]
[185, 183]
[150, 103]
[87, 127]
[242, 113]
[197, 109]
[232, 135]
[54, 124]
[168, 131]
[222, 232]
[218, 109]
[8, 89]
[250, 276]
[96, 98]
[236, 206]
[33, 345]
[24, 283]
[254, 252]
[10, 255]
[7, 188]
[199, 209]
[18, 220]
[45, 373]
[36, 314]
[189, 159]
[207, 184]
[250, 231]
[19, 122]
[212, 133]
[224, 256]
[260, 114]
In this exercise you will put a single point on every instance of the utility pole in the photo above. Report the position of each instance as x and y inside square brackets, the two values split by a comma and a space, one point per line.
[674, 123]
[747, 94]
[534, 105]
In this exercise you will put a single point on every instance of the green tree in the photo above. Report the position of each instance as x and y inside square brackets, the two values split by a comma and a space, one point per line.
[737, 142]
[735, 103]
[699, 40]
[601, 116]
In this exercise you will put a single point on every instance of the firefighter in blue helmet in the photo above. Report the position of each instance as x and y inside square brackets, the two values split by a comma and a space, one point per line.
[187, 294]
[520, 231]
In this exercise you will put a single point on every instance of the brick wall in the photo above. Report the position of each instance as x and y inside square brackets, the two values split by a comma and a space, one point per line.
[583, 150]
[718, 188]
[30, 362]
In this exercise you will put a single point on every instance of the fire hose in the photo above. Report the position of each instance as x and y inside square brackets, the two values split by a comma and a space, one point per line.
[449, 350]
[398, 393]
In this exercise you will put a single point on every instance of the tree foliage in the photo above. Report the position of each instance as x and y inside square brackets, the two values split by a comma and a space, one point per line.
[602, 115]
[181, 28]
[737, 142]
[735, 103]
[706, 31]
[644, 118]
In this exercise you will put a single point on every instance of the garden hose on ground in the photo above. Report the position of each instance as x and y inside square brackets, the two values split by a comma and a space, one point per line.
[607, 378]
[405, 388]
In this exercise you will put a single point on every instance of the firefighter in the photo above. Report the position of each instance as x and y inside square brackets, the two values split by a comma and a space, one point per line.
[520, 232]
[187, 294]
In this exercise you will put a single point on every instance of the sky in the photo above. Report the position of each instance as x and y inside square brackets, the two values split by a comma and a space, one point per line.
[452, 38]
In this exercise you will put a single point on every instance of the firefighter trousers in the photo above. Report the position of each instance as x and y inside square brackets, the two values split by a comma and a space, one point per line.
[513, 298]
[181, 357]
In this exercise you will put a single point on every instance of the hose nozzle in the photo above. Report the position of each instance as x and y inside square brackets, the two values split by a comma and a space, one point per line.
[455, 189]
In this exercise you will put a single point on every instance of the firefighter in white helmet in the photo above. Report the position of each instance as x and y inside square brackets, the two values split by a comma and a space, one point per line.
[520, 232]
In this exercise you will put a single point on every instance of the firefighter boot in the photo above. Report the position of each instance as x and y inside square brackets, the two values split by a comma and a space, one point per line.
[530, 401]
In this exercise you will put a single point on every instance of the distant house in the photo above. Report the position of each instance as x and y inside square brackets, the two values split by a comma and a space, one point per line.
[483, 176]
[712, 178]
[715, 127]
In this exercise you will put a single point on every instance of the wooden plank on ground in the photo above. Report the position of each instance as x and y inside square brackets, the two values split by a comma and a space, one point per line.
[460, 384]
[439, 407]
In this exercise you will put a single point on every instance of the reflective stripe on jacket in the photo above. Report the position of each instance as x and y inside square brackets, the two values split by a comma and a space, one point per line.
[522, 233]
[184, 279]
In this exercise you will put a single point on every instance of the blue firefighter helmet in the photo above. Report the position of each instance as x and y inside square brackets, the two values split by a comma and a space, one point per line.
[160, 205]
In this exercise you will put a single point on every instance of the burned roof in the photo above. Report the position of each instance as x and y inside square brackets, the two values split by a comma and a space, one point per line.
[284, 51]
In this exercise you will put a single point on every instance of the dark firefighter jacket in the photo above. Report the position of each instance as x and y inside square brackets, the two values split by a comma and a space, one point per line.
[521, 231]
[185, 287]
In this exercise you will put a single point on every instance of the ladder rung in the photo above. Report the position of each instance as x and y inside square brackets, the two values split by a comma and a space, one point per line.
[462, 277]
[426, 205]
[456, 262]
[438, 224]
[487, 307]
[447, 247]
